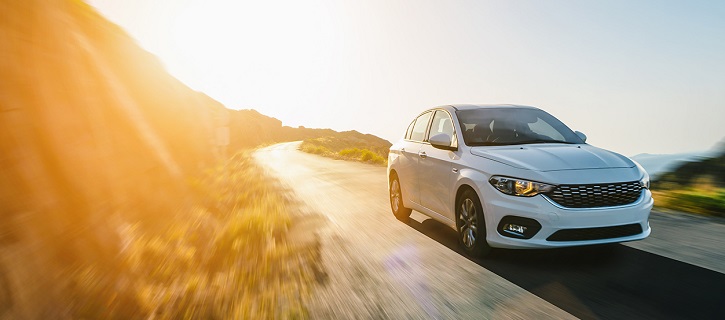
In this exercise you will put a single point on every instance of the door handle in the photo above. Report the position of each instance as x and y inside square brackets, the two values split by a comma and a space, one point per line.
[422, 154]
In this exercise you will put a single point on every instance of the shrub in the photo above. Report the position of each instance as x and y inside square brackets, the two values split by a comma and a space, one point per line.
[693, 200]
[352, 153]
[311, 147]
[372, 157]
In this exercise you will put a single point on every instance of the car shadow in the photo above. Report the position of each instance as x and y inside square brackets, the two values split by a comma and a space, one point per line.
[602, 282]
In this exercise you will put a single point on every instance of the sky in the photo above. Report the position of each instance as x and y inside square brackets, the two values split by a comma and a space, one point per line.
[634, 76]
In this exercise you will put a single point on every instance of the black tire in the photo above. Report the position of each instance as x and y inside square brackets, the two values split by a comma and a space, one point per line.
[396, 199]
[471, 225]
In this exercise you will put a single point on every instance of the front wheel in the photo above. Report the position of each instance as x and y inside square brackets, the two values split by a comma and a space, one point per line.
[471, 225]
[396, 200]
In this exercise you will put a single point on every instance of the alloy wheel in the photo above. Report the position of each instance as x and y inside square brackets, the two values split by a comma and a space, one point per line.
[469, 225]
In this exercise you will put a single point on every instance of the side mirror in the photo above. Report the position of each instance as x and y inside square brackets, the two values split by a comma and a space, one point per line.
[442, 141]
[581, 135]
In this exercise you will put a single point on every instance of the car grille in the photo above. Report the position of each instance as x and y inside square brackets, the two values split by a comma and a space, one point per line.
[596, 233]
[596, 195]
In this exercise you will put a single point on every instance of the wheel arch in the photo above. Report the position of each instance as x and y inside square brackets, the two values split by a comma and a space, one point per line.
[467, 180]
[462, 188]
[392, 173]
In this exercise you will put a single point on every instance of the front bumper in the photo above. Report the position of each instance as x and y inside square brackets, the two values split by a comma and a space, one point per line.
[554, 218]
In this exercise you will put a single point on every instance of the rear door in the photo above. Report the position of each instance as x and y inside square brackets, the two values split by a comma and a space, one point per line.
[408, 171]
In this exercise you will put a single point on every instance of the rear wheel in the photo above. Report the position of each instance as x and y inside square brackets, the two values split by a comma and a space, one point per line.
[471, 225]
[396, 199]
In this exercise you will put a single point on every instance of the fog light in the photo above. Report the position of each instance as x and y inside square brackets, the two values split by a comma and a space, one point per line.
[515, 228]
[518, 227]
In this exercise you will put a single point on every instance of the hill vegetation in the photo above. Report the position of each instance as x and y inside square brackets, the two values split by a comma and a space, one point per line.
[696, 186]
[349, 145]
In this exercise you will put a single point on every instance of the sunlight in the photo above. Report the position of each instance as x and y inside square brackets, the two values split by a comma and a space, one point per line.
[269, 46]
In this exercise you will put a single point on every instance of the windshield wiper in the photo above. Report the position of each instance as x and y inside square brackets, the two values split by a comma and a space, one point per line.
[540, 141]
[486, 144]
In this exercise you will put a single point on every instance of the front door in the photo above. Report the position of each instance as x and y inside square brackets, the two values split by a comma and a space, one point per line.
[436, 165]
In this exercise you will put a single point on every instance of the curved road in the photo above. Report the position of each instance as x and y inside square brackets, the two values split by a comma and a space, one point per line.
[376, 267]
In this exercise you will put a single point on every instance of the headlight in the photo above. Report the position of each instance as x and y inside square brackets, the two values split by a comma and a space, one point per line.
[518, 187]
[644, 182]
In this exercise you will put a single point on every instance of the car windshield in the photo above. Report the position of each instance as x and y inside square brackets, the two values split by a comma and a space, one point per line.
[509, 126]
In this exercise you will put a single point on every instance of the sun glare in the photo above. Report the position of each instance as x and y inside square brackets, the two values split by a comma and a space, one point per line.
[263, 47]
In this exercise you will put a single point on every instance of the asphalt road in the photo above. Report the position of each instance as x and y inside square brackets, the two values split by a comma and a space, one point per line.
[376, 267]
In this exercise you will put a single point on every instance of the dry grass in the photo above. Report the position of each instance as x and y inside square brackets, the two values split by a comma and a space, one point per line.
[225, 257]
[346, 149]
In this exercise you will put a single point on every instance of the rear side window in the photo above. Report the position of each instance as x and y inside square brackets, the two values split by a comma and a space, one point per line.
[421, 124]
[410, 130]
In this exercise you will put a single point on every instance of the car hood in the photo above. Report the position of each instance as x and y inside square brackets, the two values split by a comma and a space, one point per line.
[554, 157]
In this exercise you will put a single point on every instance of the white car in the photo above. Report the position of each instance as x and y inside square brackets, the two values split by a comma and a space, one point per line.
[511, 176]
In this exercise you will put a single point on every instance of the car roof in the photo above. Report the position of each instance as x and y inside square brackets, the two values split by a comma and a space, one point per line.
[452, 108]
[485, 106]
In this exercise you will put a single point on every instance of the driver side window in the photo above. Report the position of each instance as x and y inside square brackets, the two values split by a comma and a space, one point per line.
[442, 123]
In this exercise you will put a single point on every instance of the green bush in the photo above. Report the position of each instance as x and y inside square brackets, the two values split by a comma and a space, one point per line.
[693, 200]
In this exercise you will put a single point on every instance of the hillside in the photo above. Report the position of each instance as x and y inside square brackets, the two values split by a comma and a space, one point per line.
[349, 145]
[707, 170]
[91, 127]
[106, 159]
